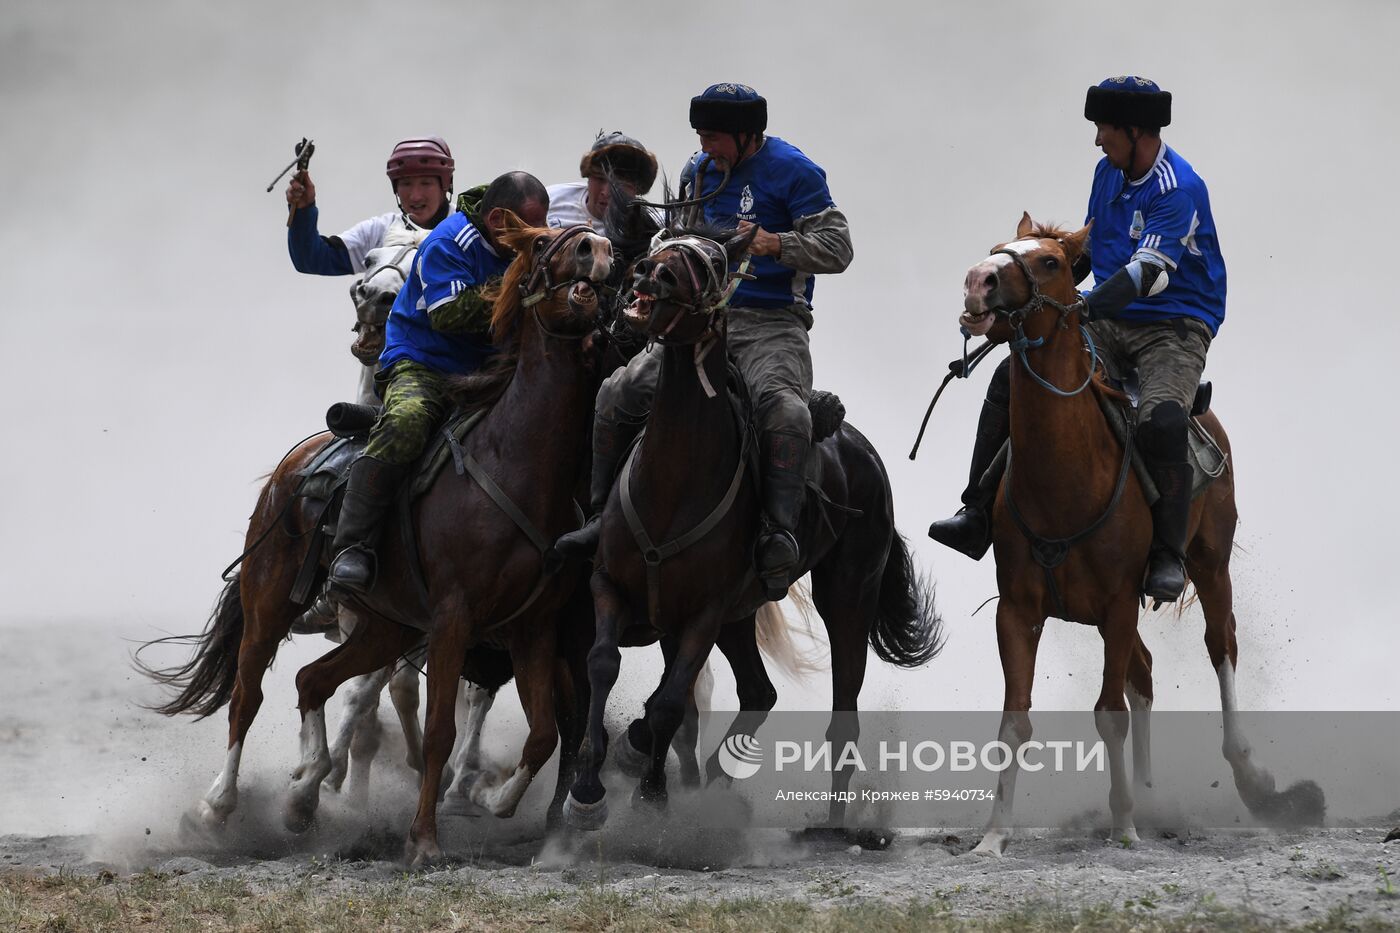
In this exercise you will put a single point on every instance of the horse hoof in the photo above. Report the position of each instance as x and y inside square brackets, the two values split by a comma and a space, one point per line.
[298, 817]
[872, 840]
[585, 817]
[631, 760]
[336, 778]
[422, 856]
[993, 844]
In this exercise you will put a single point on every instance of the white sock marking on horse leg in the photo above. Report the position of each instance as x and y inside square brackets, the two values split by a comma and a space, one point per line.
[315, 764]
[473, 702]
[222, 797]
[1141, 708]
[501, 798]
[403, 691]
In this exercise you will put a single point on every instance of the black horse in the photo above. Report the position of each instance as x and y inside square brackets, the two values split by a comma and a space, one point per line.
[681, 563]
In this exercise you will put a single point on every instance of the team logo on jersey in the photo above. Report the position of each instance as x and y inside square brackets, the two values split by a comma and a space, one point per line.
[746, 200]
[1135, 231]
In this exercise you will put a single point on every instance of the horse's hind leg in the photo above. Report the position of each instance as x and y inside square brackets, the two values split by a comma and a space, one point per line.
[357, 741]
[757, 695]
[847, 603]
[1139, 691]
[403, 691]
[367, 649]
[266, 622]
[474, 702]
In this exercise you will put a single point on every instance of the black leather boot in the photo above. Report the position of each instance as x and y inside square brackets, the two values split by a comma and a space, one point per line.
[970, 531]
[1166, 565]
[777, 555]
[609, 443]
[371, 491]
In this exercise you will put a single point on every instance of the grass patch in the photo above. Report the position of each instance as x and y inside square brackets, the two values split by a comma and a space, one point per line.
[151, 901]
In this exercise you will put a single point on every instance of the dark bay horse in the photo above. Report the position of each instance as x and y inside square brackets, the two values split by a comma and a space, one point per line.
[479, 569]
[1068, 480]
[690, 478]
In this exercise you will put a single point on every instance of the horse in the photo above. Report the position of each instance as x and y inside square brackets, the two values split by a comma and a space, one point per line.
[358, 739]
[679, 528]
[1068, 486]
[477, 568]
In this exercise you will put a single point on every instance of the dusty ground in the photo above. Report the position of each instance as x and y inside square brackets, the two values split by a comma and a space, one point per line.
[92, 784]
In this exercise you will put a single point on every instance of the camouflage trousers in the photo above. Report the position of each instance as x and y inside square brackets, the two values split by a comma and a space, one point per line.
[771, 348]
[1169, 356]
[415, 405]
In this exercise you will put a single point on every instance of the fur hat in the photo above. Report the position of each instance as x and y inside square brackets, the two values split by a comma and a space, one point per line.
[729, 108]
[622, 156]
[1128, 100]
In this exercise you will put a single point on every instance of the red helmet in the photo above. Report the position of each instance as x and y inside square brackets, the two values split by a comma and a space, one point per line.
[422, 155]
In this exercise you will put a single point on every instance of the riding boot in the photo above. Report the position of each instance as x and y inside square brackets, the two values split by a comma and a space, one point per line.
[609, 444]
[970, 530]
[777, 555]
[1166, 565]
[369, 494]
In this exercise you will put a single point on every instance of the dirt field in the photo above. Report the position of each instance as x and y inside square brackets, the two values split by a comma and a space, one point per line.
[93, 789]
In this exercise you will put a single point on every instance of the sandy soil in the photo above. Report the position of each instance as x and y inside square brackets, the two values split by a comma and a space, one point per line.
[93, 783]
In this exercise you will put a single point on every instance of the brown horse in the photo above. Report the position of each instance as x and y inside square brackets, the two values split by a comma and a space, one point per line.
[479, 568]
[690, 489]
[1068, 485]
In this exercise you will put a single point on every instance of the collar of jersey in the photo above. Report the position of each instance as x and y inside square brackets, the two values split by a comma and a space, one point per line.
[1161, 157]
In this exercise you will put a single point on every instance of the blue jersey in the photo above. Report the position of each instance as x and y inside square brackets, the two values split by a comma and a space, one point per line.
[454, 257]
[772, 188]
[1165, 213]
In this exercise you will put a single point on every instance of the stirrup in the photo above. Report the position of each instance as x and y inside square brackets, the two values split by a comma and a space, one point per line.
[1162, 594]
[351, 578]
[968, 532]
[776, 578]
[582, 543]
[321, 615]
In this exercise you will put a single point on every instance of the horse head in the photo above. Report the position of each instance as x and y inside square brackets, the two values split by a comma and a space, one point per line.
[680, 288]
[556, 274]
[386, 270]
[1002, 292]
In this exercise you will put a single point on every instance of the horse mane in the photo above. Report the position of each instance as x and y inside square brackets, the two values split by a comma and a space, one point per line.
[1042, 230]
[481, 389]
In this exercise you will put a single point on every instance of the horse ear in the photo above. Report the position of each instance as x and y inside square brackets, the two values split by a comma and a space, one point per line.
[510, 229]
[1074, 243]
[1023, 229]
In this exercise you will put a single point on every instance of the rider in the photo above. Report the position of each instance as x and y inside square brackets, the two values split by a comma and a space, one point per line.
[1158, 301]
[614, 158]
[420, 174]
[437, 328]
[781, 195]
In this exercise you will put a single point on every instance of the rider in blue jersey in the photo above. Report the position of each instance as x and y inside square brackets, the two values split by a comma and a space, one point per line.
[779, 193]
[1158, 301]
[436, 329]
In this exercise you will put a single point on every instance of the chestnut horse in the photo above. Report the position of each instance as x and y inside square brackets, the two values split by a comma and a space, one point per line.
[690, 489]
[483, 579]
[1067, 483]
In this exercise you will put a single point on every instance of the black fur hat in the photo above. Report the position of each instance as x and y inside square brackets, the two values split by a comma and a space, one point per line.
[1128, 100]
[729, 108]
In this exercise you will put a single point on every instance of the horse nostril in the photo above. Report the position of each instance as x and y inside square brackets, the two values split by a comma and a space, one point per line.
[990, 281]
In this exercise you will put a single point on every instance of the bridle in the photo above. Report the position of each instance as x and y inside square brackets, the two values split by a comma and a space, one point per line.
[366, 316]
[541, 285]
[707, 267]
[1038, 301]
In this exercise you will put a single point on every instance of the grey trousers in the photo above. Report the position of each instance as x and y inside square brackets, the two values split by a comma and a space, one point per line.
[771, 348]
[1169, 357]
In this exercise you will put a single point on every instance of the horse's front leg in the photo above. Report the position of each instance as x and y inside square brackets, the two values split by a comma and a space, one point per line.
[447, 646]
[666, 711]
[1120, 640]
[532, 655]
[1018, 638]
[357, 740]
[586, 806]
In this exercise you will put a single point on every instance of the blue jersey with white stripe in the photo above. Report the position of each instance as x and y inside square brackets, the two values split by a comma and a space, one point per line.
[454, 257]
[772, 188]
[1165, 214]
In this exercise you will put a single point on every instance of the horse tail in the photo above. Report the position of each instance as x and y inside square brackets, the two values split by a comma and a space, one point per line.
[773, 633]
[205, 682]
[908, 631]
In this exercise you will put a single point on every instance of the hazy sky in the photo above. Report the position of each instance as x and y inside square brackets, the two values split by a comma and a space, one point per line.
[163, 353]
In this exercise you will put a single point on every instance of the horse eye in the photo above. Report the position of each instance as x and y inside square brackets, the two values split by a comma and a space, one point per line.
[1051, 262]
[540, 241]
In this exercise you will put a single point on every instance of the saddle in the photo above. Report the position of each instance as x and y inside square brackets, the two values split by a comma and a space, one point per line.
[1207, 460]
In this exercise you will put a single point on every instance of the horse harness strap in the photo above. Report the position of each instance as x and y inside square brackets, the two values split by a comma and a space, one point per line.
[371, 318]
[467, 465]
[653, 554]
[1049, 553]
